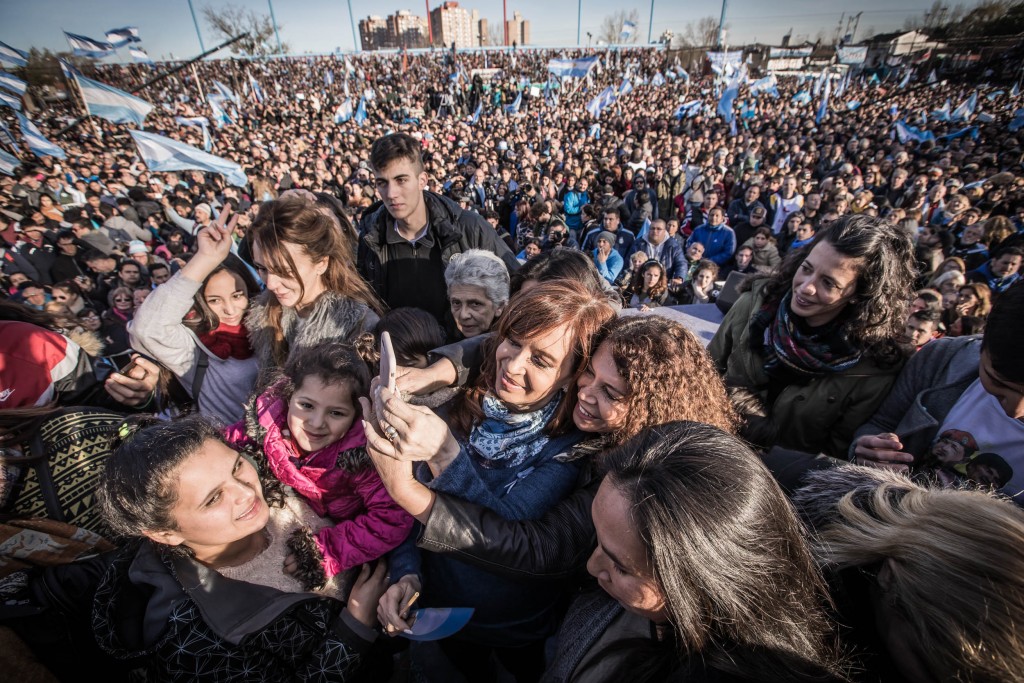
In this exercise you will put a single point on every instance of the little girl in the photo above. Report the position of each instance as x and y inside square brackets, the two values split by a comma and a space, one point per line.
[307, 426]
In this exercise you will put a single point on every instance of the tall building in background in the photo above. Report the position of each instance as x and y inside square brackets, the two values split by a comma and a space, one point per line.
[518, 30]
[408, 30]
[481, 33]
[373, 33]
[451, 24]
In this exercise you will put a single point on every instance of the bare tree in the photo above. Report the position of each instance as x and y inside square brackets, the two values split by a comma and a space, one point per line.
[611, 27]
[230, 20]
[495, 34]
[702, 33]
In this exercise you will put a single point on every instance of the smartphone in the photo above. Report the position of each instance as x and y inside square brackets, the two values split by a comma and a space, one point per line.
[128, 368]
[388, 364]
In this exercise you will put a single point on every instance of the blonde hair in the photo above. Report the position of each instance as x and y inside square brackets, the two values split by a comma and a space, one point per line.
[957, 571]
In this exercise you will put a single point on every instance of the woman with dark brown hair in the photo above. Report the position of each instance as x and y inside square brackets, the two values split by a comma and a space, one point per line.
[313, 291]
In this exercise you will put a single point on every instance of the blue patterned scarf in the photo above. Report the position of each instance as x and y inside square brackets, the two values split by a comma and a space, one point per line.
[507, 439]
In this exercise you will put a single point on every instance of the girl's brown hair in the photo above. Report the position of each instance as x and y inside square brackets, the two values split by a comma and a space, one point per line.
[529, 315]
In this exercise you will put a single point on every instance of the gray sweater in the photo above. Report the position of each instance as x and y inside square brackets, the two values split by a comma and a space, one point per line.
[157, 330]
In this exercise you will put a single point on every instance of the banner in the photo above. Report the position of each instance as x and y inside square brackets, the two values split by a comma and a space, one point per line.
[164, 154]
[851, 55]
[575, 68]
[720, 60]
[789, 52]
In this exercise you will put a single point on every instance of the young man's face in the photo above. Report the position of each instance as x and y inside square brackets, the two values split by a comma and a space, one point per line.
[1006, 265]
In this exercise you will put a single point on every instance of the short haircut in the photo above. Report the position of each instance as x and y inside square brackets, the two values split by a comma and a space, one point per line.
[390, 148]
[480, 268]
[95, 255]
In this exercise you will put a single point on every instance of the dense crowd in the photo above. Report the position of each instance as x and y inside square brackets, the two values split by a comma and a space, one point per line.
[189, 373]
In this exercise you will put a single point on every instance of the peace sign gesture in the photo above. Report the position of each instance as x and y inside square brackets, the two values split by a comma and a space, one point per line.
[213, 244]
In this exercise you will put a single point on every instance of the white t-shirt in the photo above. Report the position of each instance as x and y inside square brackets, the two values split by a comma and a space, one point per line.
[978, 441]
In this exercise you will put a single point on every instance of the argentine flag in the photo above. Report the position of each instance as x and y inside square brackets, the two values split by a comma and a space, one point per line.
[112, 104]
[966, 108]
[220, 117]
[725, 102]
[360, 115]
[198, 122]
[12, 55]
[344, 112]
[257, 91]
[83, 46]
[658, 80]
[164, 154]
[476, 114]
[226, 92]
[905, 132]
[13, 83]
[36, 141]
[139, 55]
[8, 163]
[9, 100]
[625, 88]
[514, 107]
[119, 37]
[627, 30]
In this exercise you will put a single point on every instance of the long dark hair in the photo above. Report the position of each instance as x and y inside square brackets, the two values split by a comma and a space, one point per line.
[742, 592]
[876, 316]
[202, 319]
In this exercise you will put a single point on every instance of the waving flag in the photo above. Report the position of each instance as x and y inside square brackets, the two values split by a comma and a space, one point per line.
[119, 37]
[627, 30]
[361, 115]
[13, 83]
[905, 81]
[602, 100]
[725, 102]
[905, 132]
[328, 78]
[226, 92]
[68, 69]
[625, 88]
[198, 122]
[83, 46]
[1017, 122]
[6, 137]
[658, 80]
[688, 109]
[139, 55]
[8, 163]
[12, 55]
[966, 108]
[514, 107]
[942, 114]
[823, 107]
[112, 104]
[575, 68]
[220, 117]
[344, 111]
[476, 114]
[36, 141]
[9, 100]
[164, 154]
[802, 97]
[257, 91]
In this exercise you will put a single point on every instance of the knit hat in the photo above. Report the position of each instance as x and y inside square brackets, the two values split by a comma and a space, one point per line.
[606, 235]
[137, 247]
[204, 207]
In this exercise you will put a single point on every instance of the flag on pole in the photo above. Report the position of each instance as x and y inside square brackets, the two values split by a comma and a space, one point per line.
[83, 46]
[9, 100]
[225, 91]
[198, 122]
[257, 91]
[68, 69]
[802, 97]
[164, 154]
[942, 114]
[627, 30]
[625, 88]
[514, 107]
[139, 55]
[220, 117]
[479, 110]
[905, 132]
[823, 107]
[344, 111]
[12, 55]
[360, 115]
[966, 108]
[658, 80]
[13, 83]
[112, 104]
[688, 109]
[36, 141]
[328, 78]
[119, 37]
[725, 102]
[8, 163]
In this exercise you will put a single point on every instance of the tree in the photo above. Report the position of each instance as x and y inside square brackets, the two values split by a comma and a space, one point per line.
[611, 27]
[494, 34]
[702, 33]
[230, 20]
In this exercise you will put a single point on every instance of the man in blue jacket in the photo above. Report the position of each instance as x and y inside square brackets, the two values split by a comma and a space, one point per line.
[658, 245]
[718, 239]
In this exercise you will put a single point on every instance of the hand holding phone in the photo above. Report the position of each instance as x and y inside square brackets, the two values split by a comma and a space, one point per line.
[388, 364]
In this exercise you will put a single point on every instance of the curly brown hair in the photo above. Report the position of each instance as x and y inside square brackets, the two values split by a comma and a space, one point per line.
[875, 317]
[636, 285]
[669, 374]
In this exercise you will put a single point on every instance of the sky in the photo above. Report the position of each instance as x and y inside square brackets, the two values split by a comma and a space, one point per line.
[319, 26]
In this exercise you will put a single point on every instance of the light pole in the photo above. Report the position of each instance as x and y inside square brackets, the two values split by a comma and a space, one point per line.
[650, 25]
[579, 20]
[196, 22]
[721, 22]
[274, 22]
[355, 36]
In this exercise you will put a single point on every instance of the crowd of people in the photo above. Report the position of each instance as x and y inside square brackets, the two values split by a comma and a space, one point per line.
[191, 406]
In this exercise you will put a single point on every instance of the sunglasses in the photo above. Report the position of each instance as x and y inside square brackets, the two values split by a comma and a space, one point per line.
[122, 298]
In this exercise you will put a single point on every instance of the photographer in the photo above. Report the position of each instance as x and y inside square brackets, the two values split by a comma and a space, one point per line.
[559, 236]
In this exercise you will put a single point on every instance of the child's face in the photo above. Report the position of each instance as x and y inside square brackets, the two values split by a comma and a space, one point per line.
[320, 414]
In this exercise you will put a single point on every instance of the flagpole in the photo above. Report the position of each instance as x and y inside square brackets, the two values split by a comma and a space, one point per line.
[196, 22]
[650, 25]
[579, 21]
[160, 77]
[274, 22]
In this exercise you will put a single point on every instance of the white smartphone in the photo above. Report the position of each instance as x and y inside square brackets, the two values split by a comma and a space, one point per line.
[388, 365]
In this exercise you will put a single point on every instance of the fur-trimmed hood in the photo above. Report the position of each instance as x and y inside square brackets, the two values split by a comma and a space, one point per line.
[90, 342]
[817, 499]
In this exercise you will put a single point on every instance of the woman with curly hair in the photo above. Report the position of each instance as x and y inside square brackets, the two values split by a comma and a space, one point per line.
[646, 370]
[649, 287]
[817, 340]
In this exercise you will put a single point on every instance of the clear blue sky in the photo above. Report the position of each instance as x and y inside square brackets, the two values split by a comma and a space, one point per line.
[166, 27]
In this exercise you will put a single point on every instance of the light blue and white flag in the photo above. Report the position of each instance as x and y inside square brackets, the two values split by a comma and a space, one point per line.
[8, 163]
[12, 55]
[1017, 122]
[514, 107]
[1015, 91]
[658, 80]
[576, 68]
[725, 102]
[226, 92]
[328, 78]
[119, 37]
[36, 141]
[942, 114]
[905, 133]
[802, 97]
[966, 108]
[13, 83]
[985, 117]
[688, 109]
[933, 78]
[164, 154]
[112, 104]
[9, 100]
[906, 80]
[139, 55]
[257, 91]
[594, 131]
[361, 115]
[823, 106]
[344, 111]
[68, 69]
[6, 137]
[220, 117]
[767, 85]
[83, 46]
[198, 122]
[477, 112]
[994, 94]
[625, 88]
[627, 30]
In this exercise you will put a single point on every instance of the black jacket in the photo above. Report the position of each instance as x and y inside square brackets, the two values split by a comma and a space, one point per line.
[454, 229]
